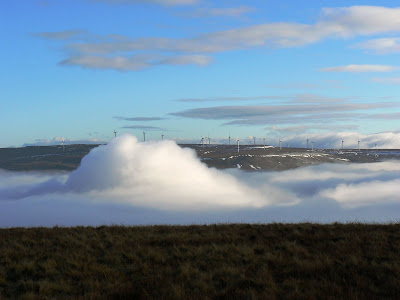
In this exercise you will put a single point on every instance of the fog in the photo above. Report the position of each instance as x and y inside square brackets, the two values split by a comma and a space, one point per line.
[132, 183]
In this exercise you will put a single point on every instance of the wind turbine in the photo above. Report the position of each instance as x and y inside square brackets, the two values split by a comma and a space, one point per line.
[162, 137]
[229, 139]
[115, 133]
[359, 146]
[202, 142]
[312, 146]
[280, 145]
[254, 139]
[307, 143]
[144, 136]
[342, 144]
[63, 142]
[264, 141]
[237, 142]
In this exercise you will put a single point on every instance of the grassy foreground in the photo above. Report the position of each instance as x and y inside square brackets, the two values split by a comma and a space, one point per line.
[298, 261]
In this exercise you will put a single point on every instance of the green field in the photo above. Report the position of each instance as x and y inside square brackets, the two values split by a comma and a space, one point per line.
[275, 261]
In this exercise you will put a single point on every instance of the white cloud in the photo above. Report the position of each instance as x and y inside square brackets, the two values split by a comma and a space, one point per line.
[300, 98]
[285, 113]
[201, 60]
[138, 119]
[382, 45]
[58, 141]
[144, 127]
[361, 20]
[365, 193]
[134, 63]
[395, 81]
[333, 140]
[139, 174]
[162, 2]
[221, 11]
[344, 22]
[361, 68]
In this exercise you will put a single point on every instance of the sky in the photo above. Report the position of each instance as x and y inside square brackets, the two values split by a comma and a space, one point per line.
[284, 70]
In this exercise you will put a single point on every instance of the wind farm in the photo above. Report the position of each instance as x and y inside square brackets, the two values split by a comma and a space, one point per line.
[200, 149]
[250, 157]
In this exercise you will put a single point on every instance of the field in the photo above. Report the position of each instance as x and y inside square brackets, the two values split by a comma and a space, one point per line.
[275, 261]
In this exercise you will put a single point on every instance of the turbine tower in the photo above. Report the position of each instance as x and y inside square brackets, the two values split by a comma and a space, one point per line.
[115, 133]
[359, 146]
[162, 137]
[312, 146]
[202, 142]
[144, 136]
[254, 139]
[63, 142]
[264, 141]
[307, 143]
[237, 142]
[229, 139]
[342, 144]
[280, 145]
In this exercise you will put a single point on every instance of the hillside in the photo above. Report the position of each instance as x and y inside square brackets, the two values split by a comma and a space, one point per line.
[276, 261]
[250, 158]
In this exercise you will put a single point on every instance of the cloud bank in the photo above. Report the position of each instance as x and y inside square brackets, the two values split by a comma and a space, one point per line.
[127, 182]
[307, 109]
[333, 140]
[58, 141]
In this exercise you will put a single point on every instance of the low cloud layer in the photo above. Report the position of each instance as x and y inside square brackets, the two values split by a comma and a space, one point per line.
[67, 141]
[127, 182]
[333, 140]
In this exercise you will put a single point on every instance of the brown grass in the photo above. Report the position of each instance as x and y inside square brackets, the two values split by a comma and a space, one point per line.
[276, 261]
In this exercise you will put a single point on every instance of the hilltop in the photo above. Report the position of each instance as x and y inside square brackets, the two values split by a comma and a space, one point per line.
[249, 158]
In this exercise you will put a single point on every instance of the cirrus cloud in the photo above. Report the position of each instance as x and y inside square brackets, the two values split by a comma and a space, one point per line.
[361, 68]
[382, 45]
[122, 52]
[162, 2]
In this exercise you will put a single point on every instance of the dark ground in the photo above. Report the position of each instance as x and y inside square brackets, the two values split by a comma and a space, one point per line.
[249, 158]
[275, 261]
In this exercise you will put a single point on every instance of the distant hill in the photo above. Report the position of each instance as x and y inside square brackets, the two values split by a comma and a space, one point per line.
[250, 158]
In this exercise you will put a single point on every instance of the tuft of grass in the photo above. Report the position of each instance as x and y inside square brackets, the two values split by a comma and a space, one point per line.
[273, 261]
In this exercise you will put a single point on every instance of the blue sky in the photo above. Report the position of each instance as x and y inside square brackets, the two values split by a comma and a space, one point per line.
[188, 68]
